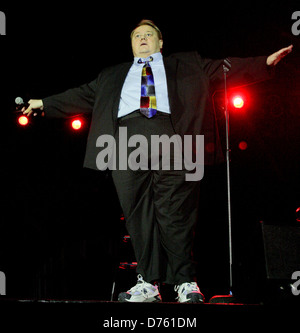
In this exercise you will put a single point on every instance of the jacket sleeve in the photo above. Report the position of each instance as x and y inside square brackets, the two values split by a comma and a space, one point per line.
[71, 102]
[242, 71]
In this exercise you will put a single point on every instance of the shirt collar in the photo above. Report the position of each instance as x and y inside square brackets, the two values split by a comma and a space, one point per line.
[157, 57]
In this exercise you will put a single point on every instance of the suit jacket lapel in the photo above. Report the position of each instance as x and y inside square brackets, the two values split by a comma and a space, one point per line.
[118, 84]
[171, 69]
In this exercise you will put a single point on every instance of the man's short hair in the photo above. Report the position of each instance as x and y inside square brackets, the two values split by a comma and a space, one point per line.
[151, 24]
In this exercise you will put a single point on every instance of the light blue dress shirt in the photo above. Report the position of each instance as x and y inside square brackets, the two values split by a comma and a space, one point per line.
[131, 91]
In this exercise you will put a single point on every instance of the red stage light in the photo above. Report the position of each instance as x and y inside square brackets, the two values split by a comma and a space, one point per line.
[243, 145]
[23, 120]
[238, 102]
[76, 124]
[298, 214]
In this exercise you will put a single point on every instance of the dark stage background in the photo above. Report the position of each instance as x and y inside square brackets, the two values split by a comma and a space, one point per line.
[60, 223]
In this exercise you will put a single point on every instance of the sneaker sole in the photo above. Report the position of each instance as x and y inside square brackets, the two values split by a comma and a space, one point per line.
[194, 298]
[124, 297]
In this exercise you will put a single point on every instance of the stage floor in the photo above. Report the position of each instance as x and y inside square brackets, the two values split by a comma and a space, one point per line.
[59, 315]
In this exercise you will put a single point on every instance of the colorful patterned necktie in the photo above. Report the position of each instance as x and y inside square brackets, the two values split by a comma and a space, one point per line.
[148, 99]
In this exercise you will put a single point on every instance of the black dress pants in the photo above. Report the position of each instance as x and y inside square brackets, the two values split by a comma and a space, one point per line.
[160, 209]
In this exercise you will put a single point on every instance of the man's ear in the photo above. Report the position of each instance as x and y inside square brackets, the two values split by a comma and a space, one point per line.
[161, 44]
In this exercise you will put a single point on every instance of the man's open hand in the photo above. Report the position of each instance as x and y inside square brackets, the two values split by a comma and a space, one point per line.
[274, 58]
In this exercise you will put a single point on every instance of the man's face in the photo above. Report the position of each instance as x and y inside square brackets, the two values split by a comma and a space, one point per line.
[145, 41]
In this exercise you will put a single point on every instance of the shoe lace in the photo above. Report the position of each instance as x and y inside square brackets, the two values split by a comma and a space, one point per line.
[139, 286]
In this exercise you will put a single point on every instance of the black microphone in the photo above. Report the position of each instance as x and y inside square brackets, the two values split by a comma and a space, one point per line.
[20, 104]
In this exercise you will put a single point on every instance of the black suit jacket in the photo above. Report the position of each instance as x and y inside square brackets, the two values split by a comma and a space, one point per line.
[190, 80]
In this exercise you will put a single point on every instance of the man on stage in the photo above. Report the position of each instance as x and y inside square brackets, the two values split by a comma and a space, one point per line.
[155, 95]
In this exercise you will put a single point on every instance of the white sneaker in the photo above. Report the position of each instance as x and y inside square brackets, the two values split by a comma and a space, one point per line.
[189, 292]
[141, 292]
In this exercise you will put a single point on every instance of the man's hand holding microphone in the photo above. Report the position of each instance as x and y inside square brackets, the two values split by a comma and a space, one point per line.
[33, 104]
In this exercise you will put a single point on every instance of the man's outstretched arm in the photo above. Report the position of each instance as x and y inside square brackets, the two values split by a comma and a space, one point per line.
[244, 70]
[70, 102]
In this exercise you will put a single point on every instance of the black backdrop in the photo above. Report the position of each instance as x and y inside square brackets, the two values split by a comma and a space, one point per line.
[60, 224]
